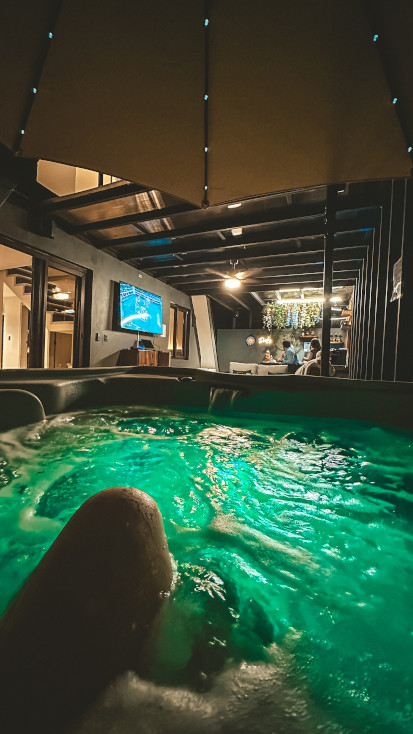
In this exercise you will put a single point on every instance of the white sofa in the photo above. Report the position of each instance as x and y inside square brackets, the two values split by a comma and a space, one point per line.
[252, 368]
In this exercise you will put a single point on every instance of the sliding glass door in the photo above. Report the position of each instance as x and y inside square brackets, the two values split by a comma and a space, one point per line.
[44, 310]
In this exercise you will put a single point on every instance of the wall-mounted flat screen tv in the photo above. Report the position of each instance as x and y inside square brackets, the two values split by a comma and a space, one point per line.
[139, 310]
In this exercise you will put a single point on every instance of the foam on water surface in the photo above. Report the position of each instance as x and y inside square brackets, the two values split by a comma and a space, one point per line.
[293, 546]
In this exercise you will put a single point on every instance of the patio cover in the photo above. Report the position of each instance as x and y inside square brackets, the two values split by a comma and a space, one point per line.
[297, 91]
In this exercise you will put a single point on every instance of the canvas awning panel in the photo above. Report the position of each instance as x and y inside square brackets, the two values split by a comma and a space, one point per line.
[298, 96]
[24, 28]
[122, 91]
[394, 20]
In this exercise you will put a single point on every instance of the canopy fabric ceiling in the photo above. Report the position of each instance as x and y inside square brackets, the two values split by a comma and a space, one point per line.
[297, 95]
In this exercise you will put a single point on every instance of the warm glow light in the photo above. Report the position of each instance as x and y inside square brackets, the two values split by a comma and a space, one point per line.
[236, 231]
[234, 206]
[232, 283]
[61, 296]
[335, 299]
[302, 300]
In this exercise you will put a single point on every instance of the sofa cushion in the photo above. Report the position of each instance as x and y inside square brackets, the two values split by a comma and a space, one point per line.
[272, 369]
[243, 367]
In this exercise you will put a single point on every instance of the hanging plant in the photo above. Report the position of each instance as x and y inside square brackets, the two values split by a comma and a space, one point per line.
[298, 315]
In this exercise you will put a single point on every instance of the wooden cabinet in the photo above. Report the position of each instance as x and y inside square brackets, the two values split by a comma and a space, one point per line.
[144, 358]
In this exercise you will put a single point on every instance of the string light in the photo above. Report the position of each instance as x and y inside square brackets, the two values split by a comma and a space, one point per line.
[375, 37]
[301, 300]
[50, 34]
[394, 100]
[206, 22]
[206, 150]
[34, 90]
[409, 149]
[21, 132]
[205, 97]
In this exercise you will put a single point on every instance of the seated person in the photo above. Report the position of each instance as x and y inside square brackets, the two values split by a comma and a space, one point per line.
[315, 347]
[314, 367]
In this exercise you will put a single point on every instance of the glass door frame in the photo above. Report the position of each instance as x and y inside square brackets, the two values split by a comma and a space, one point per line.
[184, 354]
[83, 304]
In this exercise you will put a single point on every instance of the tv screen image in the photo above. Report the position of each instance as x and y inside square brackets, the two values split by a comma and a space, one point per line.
[140, 310]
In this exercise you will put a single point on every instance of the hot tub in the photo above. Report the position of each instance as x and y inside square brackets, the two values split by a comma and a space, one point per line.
[291, 538]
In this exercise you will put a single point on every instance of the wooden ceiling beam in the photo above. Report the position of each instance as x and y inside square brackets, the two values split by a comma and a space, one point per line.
[99, 195]
[298, 281]
[266, 272]
[147, 216]
[210, 224]
[283, 255]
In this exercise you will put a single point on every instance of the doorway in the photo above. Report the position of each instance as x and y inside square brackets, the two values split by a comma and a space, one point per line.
[60, 318]
[45, 310]
[15, 307]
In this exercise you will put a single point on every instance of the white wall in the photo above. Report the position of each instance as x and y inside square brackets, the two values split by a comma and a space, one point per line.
[206, 334]
[12, 308]
[63, 179]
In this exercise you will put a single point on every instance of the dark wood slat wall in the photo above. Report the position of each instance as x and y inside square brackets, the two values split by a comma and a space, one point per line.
[404, 354]
[381, 340]
[329, 222]
[372, 298]
[391, 310]
[354, 357]
[386, 223]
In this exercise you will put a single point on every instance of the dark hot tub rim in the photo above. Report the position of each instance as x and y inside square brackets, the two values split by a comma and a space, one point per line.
[60, 391]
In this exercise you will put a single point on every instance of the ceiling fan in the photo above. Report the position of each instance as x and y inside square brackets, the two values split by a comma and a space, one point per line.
[234, 278]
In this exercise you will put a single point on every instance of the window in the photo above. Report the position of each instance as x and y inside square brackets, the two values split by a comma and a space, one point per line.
[178, 340]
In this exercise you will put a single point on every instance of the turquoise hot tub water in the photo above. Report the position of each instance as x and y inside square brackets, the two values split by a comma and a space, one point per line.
[293, 547]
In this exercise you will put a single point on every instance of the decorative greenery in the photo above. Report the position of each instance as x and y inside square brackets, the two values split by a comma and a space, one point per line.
[295, 315]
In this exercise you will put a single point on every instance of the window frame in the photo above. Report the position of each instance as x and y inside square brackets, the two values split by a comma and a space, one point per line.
[184, 353]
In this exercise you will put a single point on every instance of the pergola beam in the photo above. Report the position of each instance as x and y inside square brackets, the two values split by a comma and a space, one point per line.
[314, 282]
[289, 220]
[102, 194]
[147, 216]
[284, 255]
[267, 272]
